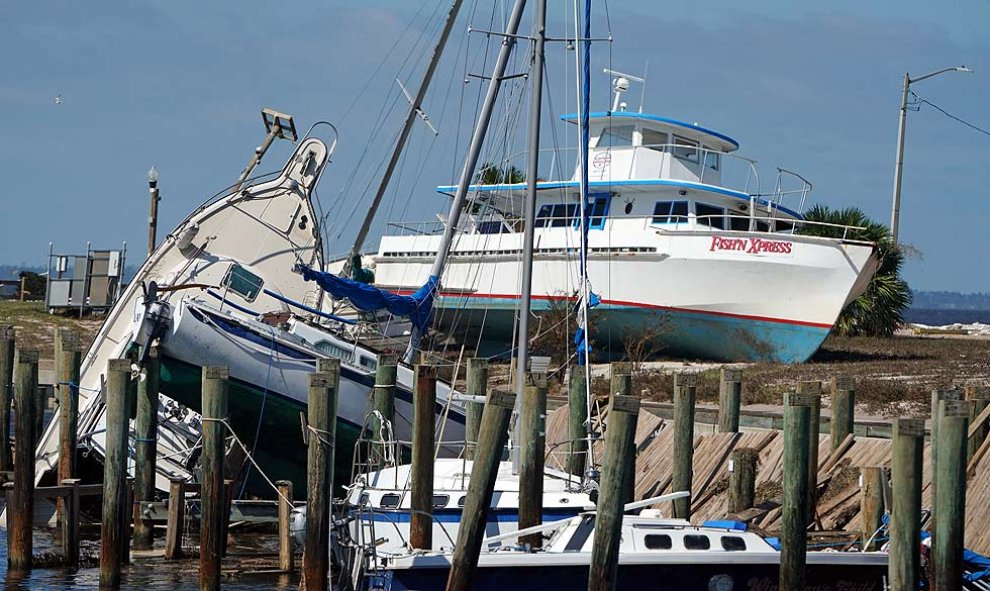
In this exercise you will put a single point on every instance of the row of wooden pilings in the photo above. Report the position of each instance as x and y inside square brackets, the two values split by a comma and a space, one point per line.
[122, 498]
[487, 426]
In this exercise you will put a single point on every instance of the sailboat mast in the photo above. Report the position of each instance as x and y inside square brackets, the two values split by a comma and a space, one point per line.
[474, 152]
[414, 109]
[532, 173]
[585, 147]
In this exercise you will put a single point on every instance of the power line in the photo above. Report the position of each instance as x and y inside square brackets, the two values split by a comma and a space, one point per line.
[950, 115]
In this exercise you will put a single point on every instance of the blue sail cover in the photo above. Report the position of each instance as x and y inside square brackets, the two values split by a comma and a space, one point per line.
[418, 307]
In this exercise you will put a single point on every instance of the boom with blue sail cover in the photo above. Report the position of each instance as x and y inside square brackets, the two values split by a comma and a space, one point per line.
[418, 307]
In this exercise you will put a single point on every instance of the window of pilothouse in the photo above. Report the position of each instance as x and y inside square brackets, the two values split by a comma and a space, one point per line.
[670, 212]
[242, 282]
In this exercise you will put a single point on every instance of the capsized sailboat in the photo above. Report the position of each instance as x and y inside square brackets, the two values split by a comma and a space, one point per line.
[221, 290]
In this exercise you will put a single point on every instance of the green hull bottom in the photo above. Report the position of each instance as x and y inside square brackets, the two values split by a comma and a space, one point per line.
[278, 447]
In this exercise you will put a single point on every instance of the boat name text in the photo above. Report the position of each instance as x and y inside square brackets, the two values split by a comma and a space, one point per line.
[751, 245]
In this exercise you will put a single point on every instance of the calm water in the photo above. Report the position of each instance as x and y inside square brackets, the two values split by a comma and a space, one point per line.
[142, 574]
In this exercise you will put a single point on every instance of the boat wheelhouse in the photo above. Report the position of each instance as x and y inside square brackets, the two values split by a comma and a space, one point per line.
[683, 245]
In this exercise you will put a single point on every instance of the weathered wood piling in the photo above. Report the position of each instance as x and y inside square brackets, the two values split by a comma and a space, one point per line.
[146, 449]
[285, 560]
[421, 493]
[683, 453]
[532, 452]
[68, 357]
[20, 501]
[812, 388]
[843, 409]
[729, 400]
[798, 409]
[619, 444]
[577, 401]
[383, 405]
[905, 515]
[7, 346]
[324, 389]
[474, 517]
[477, 385]
[742, 479]
[112, 546]
[871, 506]
[950, 511]
[214, 392]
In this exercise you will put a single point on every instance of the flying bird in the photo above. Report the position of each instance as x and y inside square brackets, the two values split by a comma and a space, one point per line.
[58, 100]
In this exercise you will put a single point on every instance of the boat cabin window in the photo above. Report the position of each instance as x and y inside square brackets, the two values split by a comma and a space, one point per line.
[686, 149]
[389, 501]
[615, 137]
[368, 363]
[581, 534]
[657, 542]
[709, 215]
[493, 227]
[739, 223]
[557, 215]
[712, 158]
[440, 501]
[670, 212]
[733, 544]
[242, 282]
[696, 542]
[655, 140]
[597, 210]
[461, 501]
[762, 227]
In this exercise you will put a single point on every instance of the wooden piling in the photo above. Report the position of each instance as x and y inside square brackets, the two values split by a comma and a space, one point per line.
[176, 518]
[477, 385]
[383, 403]
[215, 394]
[798, 409]
[950, 513]
[533, 445]
[871, 505]
[474, 516]
[577, 414]
[68, 357]
[324, 387]
[70, 523]
[7, 345]
[20, 501]
[813, 388]
[729, 400]
[683, 453]
[619, 444]
[285, 562]
[146, 449]
[114, 473]
[937, 397]
[742, 479]
[843, 409]
[905, 513]
[980, 398]
[421, 495]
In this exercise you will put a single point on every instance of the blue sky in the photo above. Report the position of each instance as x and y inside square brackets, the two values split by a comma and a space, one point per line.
[179, 84]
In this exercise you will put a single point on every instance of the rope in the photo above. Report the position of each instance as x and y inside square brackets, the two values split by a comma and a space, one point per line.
[250, 457]
[321, 435]
[272, 353]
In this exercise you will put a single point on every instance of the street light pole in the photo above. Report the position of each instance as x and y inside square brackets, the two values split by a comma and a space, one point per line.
[153, 216]
[895, 213]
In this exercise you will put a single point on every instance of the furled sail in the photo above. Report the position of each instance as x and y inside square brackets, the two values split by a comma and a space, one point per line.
[417, 307]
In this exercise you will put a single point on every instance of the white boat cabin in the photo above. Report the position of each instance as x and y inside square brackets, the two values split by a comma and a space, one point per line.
[648, 172]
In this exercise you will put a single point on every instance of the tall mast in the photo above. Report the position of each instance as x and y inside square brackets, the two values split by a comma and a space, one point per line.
[532, 172]
[474, 152]
[585, 147]
[415, 108]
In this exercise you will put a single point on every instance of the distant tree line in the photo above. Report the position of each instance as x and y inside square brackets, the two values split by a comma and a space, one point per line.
[950, 300]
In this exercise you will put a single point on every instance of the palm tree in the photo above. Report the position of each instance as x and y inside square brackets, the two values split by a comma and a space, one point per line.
[878, 311]
[492, 174]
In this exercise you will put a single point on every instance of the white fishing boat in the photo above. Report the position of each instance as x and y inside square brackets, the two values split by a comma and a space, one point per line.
[684, 246]
[654, 553]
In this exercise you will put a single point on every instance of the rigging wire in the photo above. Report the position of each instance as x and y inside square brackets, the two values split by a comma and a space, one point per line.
[949, 115]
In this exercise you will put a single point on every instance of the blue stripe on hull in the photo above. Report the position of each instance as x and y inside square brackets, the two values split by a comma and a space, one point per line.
[679, 332]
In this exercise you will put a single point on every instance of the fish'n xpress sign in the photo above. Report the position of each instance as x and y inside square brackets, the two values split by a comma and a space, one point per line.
[751, 245]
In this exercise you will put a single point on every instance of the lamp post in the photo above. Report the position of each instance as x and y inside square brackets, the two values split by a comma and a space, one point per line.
[153, 216]
[895, 213]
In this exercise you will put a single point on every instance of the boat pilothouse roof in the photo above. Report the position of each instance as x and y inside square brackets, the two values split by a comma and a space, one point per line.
[674, 174]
